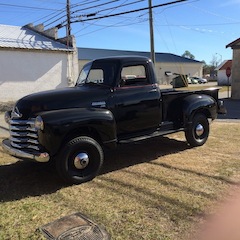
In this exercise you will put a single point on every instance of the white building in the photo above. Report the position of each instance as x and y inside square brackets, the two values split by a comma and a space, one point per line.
[33, 60]
[166, 63]
[222, 78]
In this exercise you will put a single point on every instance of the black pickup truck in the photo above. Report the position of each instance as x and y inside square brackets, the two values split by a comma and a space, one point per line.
[116, 100]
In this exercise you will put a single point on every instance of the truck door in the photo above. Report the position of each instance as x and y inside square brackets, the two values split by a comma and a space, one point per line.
[137, 101]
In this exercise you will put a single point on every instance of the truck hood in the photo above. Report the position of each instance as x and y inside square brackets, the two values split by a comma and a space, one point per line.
[77, 97]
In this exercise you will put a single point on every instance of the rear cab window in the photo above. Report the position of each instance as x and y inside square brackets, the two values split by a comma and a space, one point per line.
[134, 76]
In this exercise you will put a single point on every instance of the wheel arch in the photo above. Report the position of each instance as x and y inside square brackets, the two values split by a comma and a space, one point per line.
[62, 125]
[82, 131]
[196, 103]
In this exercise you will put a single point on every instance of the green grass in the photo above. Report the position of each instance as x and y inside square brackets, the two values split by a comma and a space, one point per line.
[157, 189]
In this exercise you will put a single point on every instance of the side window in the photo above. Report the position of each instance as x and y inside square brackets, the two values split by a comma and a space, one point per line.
[95, 75]
[134, 75]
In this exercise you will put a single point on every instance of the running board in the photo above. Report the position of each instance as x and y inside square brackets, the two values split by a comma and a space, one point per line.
[166, 128]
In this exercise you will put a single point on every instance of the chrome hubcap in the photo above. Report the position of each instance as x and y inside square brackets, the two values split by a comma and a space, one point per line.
[81, 161]
[199, 130]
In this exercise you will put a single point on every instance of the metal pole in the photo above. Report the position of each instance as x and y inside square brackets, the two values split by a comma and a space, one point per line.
[151, 31]
[228, 88]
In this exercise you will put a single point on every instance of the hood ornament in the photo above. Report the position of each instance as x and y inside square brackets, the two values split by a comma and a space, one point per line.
[16, 113]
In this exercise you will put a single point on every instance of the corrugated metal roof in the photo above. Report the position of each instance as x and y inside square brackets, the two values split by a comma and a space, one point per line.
[25, 38]
[93, 53]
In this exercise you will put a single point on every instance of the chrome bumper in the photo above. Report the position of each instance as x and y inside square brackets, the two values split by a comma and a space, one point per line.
[38, 157]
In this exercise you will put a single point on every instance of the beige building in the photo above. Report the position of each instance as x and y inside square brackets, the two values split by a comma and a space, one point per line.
[166, 65]
[34, 60]
[235, 45]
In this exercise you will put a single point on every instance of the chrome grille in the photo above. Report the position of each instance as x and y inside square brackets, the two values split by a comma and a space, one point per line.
[23, 134]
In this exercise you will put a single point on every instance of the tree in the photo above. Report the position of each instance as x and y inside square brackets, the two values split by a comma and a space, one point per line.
[206, 68]
[187, 54]
[211, 68]
[214, 62]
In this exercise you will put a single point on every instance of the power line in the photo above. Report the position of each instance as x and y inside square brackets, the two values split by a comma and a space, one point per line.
[197, 25]
[112, 9]
[20, 6]
[56, 20]
[131, 11]
[55, 15]
[63, 10]
[109, 26]
[47, 1]
[122, 5]
[99, 5]
[84, 3]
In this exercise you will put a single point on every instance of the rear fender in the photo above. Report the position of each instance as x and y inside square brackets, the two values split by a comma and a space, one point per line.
[198, 103]
[59, 124]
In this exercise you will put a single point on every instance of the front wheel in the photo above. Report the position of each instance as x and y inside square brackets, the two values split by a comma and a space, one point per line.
[80, 160]
[198, 131]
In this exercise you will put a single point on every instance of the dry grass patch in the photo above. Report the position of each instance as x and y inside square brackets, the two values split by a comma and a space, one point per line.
[157, 189]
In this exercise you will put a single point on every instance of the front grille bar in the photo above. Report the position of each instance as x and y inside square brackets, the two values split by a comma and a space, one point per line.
[23, 134]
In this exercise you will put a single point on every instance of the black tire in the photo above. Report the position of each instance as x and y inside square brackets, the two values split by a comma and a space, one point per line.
[80, 160]
[198, 131]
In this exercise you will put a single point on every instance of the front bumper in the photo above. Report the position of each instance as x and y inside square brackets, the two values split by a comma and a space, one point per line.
[38, 157]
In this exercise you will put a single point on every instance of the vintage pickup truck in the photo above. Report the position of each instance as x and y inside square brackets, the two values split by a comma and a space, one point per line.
[116, 100]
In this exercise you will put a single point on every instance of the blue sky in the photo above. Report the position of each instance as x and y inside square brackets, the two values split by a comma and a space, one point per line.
[202, 27]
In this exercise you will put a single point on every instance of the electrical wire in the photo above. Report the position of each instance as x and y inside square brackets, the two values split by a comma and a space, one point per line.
[131, 11]
[54, 15]
[122, 5]
[56, 21]
[50, 15]
[99, 5]
[49, 1]
[28, 7]
[98, 20]
[109, 26]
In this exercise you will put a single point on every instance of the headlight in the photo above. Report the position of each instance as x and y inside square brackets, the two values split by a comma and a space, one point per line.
[7, 117]
[38, 124]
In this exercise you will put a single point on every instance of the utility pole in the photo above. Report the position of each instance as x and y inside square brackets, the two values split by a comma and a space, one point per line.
[151, 31]
[68, 19]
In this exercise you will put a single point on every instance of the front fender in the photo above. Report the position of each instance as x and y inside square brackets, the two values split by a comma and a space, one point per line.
[198, 103]
[59, 123]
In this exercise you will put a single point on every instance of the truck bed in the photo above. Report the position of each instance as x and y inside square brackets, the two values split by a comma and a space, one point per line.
[172, 100]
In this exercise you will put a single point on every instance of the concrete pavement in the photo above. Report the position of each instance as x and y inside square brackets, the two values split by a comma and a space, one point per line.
[233, 110]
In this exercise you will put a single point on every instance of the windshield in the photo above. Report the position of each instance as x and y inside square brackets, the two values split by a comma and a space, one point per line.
[100, 73]
[83, 74]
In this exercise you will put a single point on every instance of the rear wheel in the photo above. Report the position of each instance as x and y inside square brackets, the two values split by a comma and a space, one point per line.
[198, 131]
[80, 160]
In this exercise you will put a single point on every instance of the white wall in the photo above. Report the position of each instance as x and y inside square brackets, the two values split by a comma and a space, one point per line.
[222, 78]
[24, 71]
